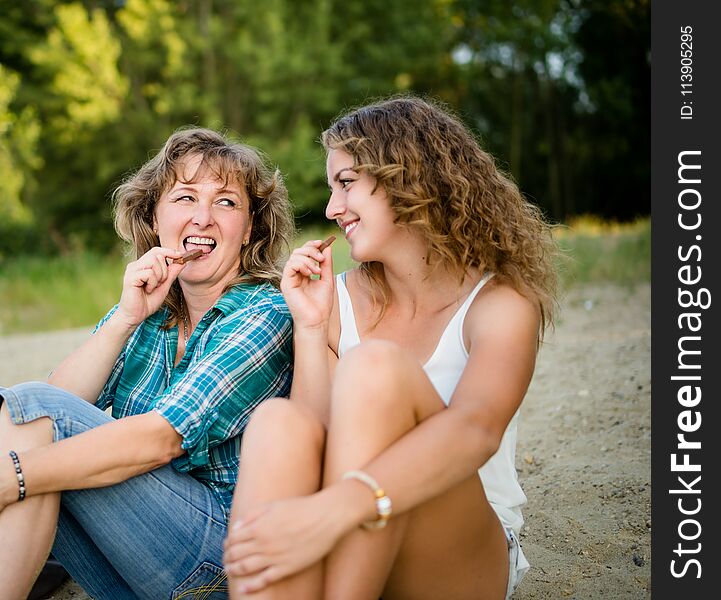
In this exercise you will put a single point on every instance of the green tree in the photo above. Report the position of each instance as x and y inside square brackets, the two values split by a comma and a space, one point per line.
[557, 89]
[83, 100]
[613, 39]
[518, 77]
[278, 75]
[81, 57]
[19, 134]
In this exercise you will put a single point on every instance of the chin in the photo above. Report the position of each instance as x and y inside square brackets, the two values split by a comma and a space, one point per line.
[194, 275]
[359, 256]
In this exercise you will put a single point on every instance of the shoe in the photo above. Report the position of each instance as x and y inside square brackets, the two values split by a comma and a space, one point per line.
[50, 578]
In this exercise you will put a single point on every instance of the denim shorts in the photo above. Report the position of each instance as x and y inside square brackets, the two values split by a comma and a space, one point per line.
[517, 564]
[158, 535]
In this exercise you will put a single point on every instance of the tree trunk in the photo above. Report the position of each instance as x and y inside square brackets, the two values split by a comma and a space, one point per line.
[517, 124]
[554, 184]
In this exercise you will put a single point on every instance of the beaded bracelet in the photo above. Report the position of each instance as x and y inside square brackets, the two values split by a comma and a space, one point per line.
[384, 507]
[19, 474]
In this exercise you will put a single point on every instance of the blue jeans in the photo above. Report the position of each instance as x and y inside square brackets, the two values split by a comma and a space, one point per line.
[158, 535]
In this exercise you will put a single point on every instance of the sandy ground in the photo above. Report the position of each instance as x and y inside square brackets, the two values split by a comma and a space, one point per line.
[584, 452]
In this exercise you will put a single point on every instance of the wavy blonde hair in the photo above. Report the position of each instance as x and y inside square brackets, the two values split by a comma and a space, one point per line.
[441, 184]
[261, 260]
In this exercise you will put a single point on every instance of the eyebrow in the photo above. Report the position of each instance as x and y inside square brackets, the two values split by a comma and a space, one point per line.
[336, 177]
[189, 188]
[229, 191]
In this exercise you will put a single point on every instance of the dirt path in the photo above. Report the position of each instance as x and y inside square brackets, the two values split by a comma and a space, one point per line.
[584, 454]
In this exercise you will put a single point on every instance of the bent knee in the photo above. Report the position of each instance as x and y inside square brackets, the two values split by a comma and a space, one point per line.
[373, 376]
[381, 377]
[377, 365]
[36, 396]
[33, 388]
[379, 358]
[25, 403]
[283, 417]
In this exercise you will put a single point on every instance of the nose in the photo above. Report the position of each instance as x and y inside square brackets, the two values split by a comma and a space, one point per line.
[336, 205]
[203, 214]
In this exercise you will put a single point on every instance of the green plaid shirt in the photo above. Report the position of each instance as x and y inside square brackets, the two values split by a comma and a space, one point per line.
[239, 355]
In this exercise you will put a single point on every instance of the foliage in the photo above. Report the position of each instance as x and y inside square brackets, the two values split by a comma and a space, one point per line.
[18, 158]
[557, 89]
[613, 38]
[81, 57]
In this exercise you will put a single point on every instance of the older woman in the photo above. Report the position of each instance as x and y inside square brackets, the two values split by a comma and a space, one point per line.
[140, 500]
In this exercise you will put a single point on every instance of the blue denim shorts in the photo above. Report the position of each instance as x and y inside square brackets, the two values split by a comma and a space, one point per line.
[159, 535]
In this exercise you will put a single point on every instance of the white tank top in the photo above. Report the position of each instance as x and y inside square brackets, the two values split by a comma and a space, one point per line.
[444, 369]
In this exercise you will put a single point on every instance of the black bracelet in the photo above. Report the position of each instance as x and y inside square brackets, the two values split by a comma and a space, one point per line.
[20, 476]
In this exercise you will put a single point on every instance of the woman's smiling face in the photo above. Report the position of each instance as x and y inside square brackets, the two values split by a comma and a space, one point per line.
[201, 212]
[365, 216]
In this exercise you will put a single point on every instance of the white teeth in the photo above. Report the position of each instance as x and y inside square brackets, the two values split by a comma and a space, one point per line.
[200, 240]
[350, 227]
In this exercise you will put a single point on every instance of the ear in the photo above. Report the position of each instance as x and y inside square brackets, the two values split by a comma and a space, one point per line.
[249, 231]
[155, 225]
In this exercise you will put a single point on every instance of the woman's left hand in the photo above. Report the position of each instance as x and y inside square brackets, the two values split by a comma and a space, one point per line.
[310, 300]
[280, 539]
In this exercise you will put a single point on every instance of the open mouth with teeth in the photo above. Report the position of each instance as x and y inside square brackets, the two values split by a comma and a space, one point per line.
[206, 244]
[349, 227]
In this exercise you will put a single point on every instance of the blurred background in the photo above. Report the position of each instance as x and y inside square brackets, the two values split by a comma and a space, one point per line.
[557, 90]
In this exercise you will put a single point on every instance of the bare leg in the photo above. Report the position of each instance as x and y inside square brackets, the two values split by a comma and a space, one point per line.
[27, 528]
[450, 547]
[281, 457]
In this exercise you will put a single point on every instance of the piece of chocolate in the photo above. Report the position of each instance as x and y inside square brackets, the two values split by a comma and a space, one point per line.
[192, 255]
[326, 243]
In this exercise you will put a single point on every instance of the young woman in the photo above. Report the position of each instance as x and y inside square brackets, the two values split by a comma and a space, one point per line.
[413, 364]
[140, 500]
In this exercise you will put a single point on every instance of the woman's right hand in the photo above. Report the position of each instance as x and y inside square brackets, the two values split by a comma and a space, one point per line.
[310, 300]
[147, 282]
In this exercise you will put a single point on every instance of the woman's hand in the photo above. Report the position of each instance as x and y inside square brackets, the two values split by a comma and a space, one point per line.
[147, 282]
[280, 539]
[310, 300]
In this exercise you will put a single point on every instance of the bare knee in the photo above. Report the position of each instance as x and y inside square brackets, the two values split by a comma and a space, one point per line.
[373, 353]
[283, 420]
[374, 365]
[375, 376]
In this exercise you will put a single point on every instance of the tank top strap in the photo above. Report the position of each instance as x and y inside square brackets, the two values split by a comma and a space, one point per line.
[487, 276]
[452, 338]
[348, 330]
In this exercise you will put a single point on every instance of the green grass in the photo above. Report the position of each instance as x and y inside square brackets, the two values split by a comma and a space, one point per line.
[41, 294]
[596, 251]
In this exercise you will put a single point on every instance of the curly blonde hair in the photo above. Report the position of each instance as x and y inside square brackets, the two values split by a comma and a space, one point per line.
[441, 184]
[261, 260]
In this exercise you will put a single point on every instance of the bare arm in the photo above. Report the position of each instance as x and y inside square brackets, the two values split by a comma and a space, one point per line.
[145, 285]
[451, 445]
[85, 371]
[312, 304]
[102, 456]
[313, 363]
